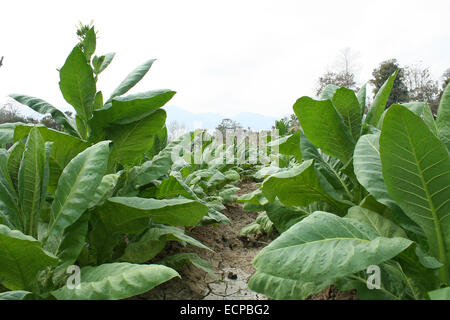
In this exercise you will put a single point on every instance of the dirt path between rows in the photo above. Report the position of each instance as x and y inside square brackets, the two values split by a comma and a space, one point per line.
[231, 261]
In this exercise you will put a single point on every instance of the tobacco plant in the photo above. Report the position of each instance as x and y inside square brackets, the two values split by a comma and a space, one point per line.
[384, 177]
[41, 236]
[135, 123]
[75, 197]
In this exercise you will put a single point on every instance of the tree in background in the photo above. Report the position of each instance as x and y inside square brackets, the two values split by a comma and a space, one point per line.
[282, 126]
[9, 114]
[228, 124]
[343, 74]
[175, 129]
[49, 122]
[399, 92]
[421, 86]
[287, 125]
[340, 79]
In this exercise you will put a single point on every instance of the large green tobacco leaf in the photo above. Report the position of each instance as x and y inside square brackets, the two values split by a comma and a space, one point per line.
[379, 102]
[150, 170]
[299, 186]
[131, 108]
[143, 250]
[116, 281]
[418, 270]
[284, 289]
[422, 109]
[131, 214]
[361, 95]
[77, 83]
[14, 159]
[174, 187]
[394, 284]
[7, 132]
[254, 197]
[131, 141]
[368, 171]
[169, 233]
[283, 217]
[384, 227]
[154, 240]
[65, 148]
[76, 189]
[101, 241]
[324, 127]
[328, 92]
[44, 107]
[105, 189]
[159, 143]
[31, 181]
[177, 261]
[347, 104]
[74, 241]
[324, 246]
[14, 295]
[292, 146]
[443, 117]
[132, 79]
[22, 257]
[440, 294]
[367, 164]
[416, 170]
[9, 210]
[327, 166]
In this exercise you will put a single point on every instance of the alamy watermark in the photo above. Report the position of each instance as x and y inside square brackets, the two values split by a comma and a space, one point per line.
[374, 277]
[74, 280]
[227, 147]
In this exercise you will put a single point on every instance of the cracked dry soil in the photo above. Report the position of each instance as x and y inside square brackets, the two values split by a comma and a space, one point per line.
[231, 260]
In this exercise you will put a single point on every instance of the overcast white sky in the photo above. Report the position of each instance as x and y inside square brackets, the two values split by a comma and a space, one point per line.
[220, 56]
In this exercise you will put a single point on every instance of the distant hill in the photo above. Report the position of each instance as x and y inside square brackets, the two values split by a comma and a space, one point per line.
[209, 120]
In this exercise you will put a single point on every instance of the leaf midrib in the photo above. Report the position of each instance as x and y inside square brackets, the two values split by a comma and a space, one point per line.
[436, 220]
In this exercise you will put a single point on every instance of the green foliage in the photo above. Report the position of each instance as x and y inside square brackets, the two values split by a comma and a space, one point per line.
[228, 124]
[177, 261]
[440, 294]
[416, 170]
[385, 183]
[282, 126]
[310, 250]
[325, 127]
[443, 117]
[137, 115]
[262, 224]
[84, 196]
[116, 281]
[22, 259]
[340, 79]
[380, 74]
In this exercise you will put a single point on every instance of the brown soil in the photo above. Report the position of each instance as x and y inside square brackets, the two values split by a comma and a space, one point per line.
[332, 293]
[231, 261]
